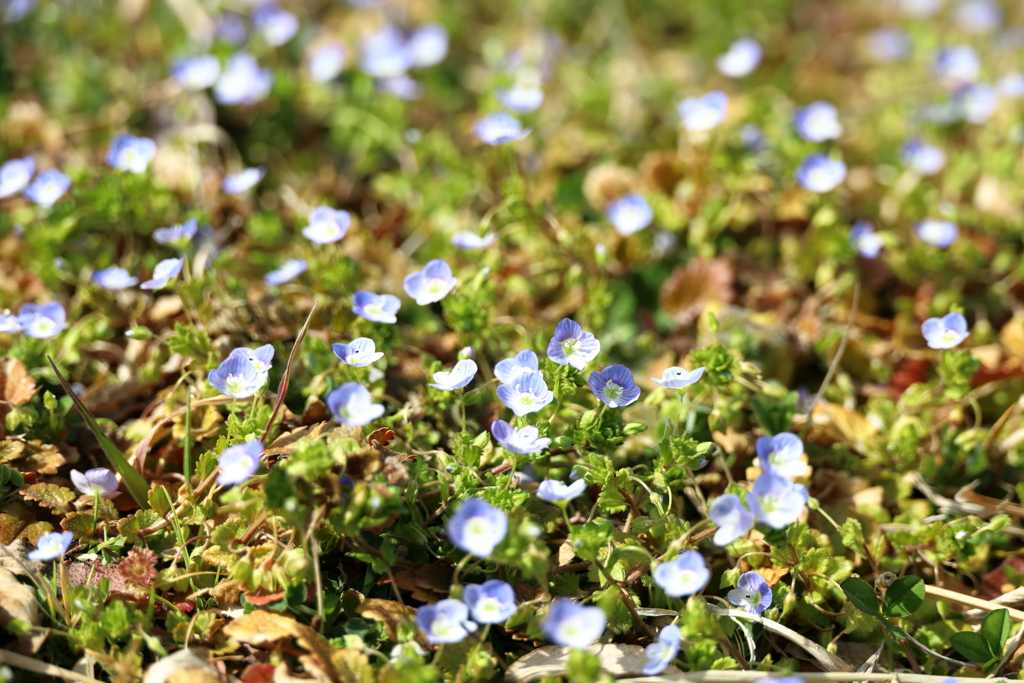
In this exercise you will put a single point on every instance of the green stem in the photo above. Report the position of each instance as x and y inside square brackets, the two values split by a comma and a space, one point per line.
[187, 457]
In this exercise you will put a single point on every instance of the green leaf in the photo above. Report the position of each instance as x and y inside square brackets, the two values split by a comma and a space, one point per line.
[904, 596]
[862, 595]
[136, 484]
[995, 629]
[971, 645]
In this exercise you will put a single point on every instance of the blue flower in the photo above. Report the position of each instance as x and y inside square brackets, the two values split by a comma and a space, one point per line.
[98, 481]
[114, 278]
[427, 46]
[490, 602]
[42, 321]
[629, 213]
[553, 491]
[431, 284]
[818, 122]
[887, 44]
[477, 527]
[48, 187]
[289, 270]
[380, 308]
[243, 81]
[734, 520]
[922, 158]
[237, 377]
[978, 16]
[277, 25]
[781, 454]
[751, 593]
[15, 175]
[324, 62]
[508, 369]
[753, 138]
[196, 73]
[742, 57]
[678, 378]
[528, 393]
[163, 273]
[461, 375]
[705, 112]
[570, 624]
[522, 97]
[685, 575]
[470, 241]
[777, 501]
[239, 462]
[177, 236]
[819, 173]
[260, 357]
[945, 332]
[327, 225]
[499, 128]
[358, 353]
[977, 102]
[243, 181]
[446, 621]
[129, 153]
[1010, 85]
[957, 65]
[383, 54]
[9, 323]
[661, 652]
[403, 87]
[50, 546]
[523, 441]
[864, 239]
[572, 346]
[231, 29]
[614, 386]
[18, 10]
[936, 233]
[351, 404]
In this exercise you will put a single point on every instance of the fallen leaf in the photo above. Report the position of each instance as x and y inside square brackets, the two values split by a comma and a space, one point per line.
[691, 287]
[262, 627]
[380, 438]
[16, 385]
[389, 613]
[18, 601]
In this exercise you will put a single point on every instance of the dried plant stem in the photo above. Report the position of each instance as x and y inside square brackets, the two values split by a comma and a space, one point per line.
[834, 365]
[970, 601]
[825, 658]
[35, 666]
[807, 677]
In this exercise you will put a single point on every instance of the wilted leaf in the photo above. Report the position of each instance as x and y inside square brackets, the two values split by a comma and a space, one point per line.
[183, 666]
[690, 288]
[380, 438]
[262, 627]
[51, 496]
[13, 520]
[33, 531]
[389, 613]
[16, 385]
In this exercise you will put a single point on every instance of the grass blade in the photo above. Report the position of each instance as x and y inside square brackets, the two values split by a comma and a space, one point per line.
[136, 484]
[282, 388]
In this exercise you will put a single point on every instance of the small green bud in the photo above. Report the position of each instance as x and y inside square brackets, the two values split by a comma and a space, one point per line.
[632, 428]
[588, 420]
[481, 440]
[561, 443]
[50, 401]
[140, 332]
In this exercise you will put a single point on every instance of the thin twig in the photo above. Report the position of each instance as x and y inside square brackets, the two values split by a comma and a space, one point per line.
[834, 365]
[971, 601]
[282, 388]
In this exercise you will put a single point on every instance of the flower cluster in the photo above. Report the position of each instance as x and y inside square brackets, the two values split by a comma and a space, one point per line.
[451, 620]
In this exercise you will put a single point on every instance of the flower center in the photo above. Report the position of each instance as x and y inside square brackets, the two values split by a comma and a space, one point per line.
[613, 391]
[949, 336]
[435, 286]
[526, 399]
[235, 384]
[769, 504]
[44, 325]
[375, 309]
[569, 346]
[478, 527]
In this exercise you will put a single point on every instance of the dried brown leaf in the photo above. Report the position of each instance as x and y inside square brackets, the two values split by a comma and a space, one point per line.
[551, 660]
[389, 613]
[13, 520]
[16, 385]
[262, 627]
[690, 288]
